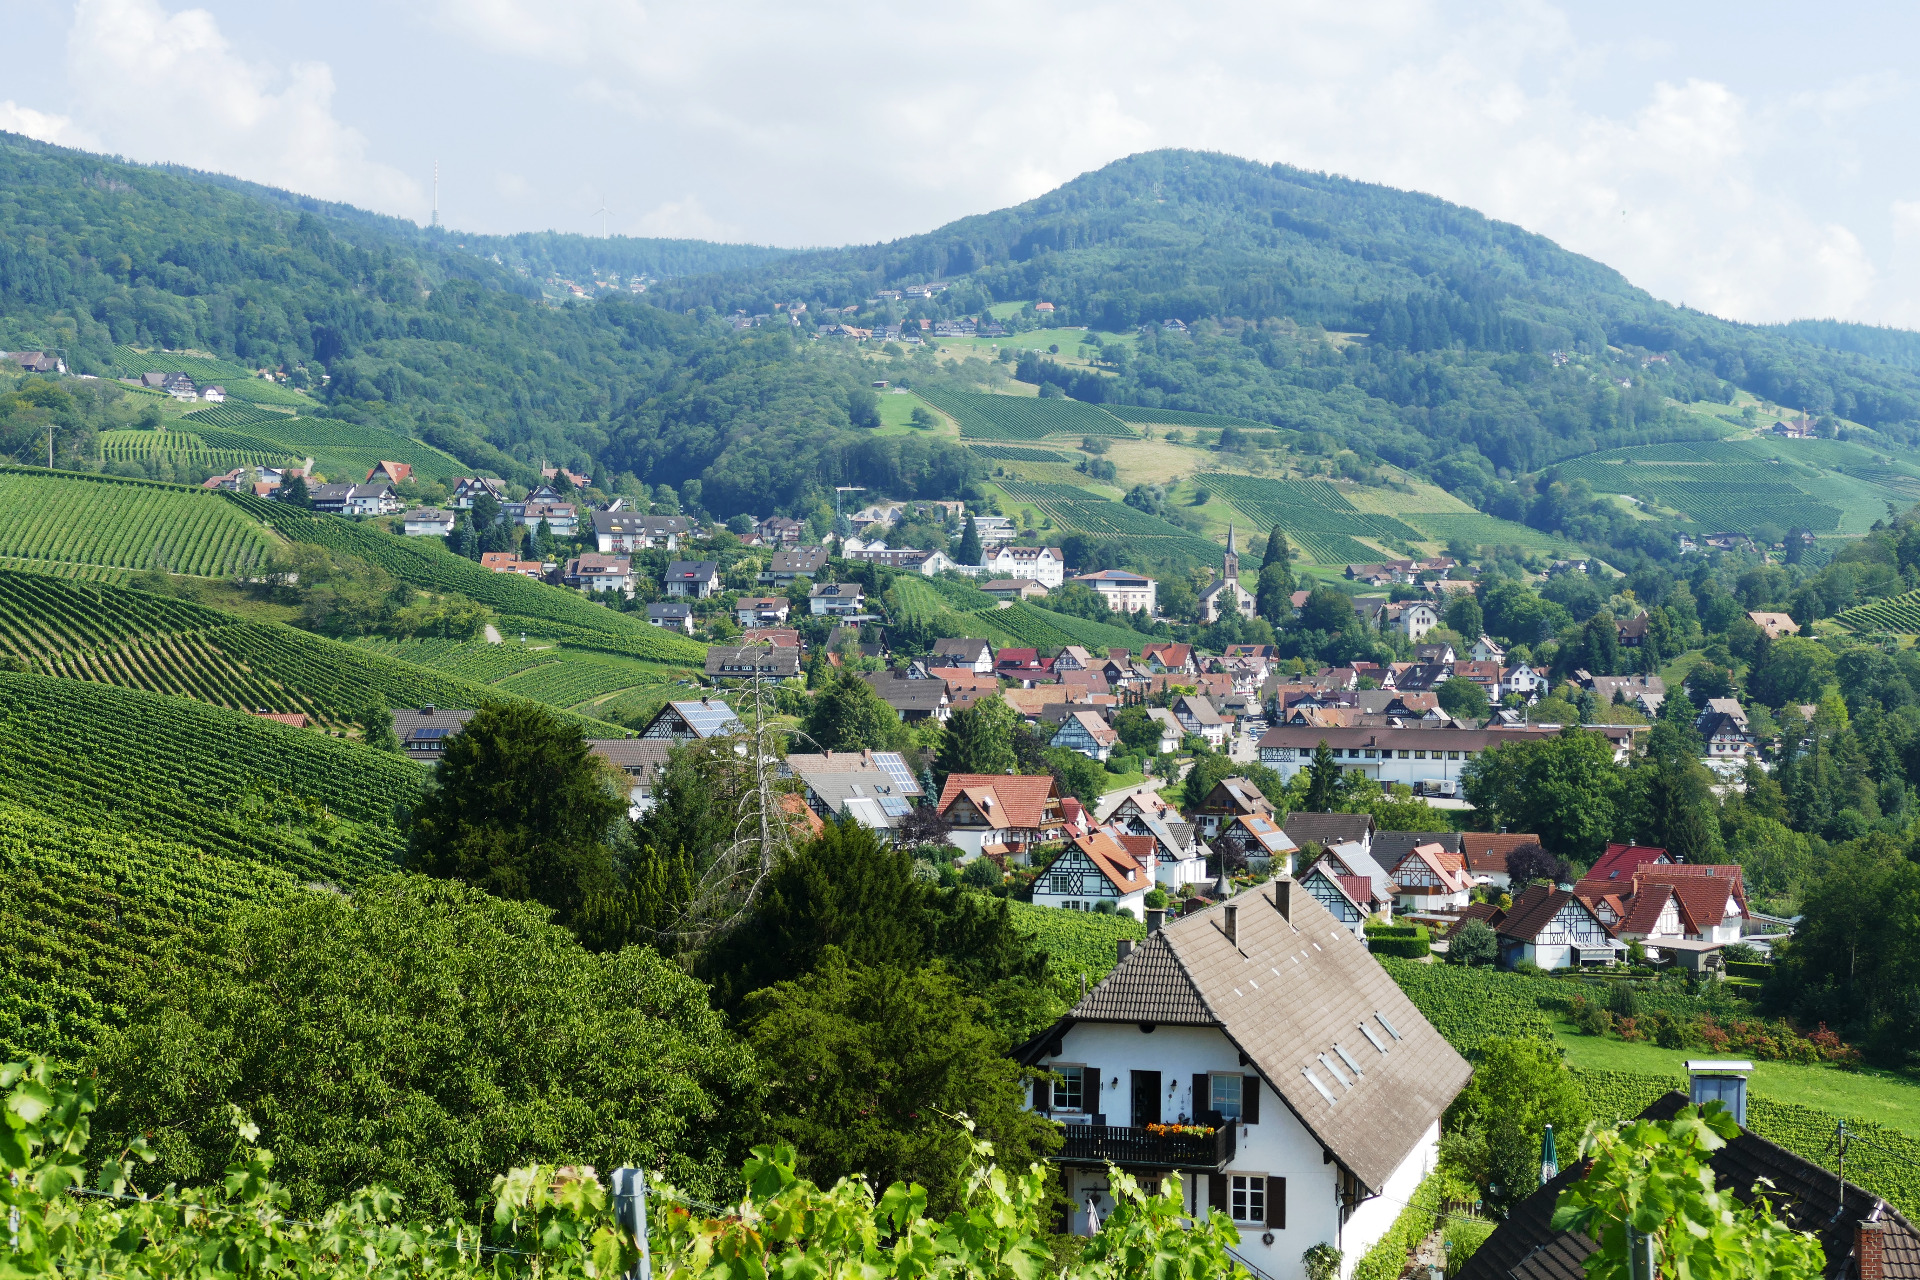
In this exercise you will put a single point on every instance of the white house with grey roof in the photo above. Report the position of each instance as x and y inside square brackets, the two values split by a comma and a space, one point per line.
[1265, 1020]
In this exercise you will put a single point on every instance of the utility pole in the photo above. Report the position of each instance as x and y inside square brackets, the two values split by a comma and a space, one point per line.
[436, 193]
[49, 446]
[837, 491]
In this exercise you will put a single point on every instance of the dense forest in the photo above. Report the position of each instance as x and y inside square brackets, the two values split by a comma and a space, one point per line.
[1409, 330]
[433, 341]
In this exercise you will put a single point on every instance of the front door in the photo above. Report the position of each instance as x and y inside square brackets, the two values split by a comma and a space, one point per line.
[1146, 1098]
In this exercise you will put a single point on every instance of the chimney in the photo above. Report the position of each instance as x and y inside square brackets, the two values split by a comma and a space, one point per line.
[427, 710]
[1722, 1080]
[1283, 899]
[1233, 924]
[1122, 949]
[1870, 1249]
[1156, 919]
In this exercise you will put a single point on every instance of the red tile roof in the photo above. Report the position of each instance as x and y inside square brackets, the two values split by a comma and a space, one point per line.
[1683, 872]
[1486, 852]
[1018, 801]
[1643, 911]
[1703, 899]
[1617, 865]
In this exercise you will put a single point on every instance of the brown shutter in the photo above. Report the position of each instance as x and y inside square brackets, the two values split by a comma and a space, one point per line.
[1277, 1204]
[1043, 1094]
[1250, 1099]
[1090, 1090]
[1202, 1099]
[1217, 1191]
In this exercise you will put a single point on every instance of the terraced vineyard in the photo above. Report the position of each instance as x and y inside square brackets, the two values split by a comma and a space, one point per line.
[1134, 413]
[113, 635]
[524, 605]
[1079, 511]
[1023, 626]
[239, 382]
[183, 446]
[471, 659]
[580, 679]
[1316, 516]
[346, 451]
[233, 416]
[84, 911]
[129, 524]
[128, 821]
[1899, 614]
[1738, 504]
[222, 782]
[1014, 453]
[1477, 529]
[989, 417]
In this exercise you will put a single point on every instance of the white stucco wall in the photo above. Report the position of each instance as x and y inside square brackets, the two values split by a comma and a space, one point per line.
[1278, 1146]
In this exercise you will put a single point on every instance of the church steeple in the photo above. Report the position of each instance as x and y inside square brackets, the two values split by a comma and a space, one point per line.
[1230, 563]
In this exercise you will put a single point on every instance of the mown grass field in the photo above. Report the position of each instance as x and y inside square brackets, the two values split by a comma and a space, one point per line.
[1881, 1096]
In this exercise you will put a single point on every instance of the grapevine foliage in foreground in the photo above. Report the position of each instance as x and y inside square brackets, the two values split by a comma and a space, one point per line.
[547, 1221]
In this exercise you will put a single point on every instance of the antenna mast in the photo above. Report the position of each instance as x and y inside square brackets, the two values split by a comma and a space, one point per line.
[436, 193]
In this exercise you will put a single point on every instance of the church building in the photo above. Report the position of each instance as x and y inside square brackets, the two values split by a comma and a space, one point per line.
[1227, 595]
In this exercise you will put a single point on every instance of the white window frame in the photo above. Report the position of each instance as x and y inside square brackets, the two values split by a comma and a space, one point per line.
[1247, 1198]
[1076, 1073]
[1213, 1094]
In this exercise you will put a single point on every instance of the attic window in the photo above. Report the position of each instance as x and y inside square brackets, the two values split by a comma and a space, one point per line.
[1382, 1019]
[1372, 1039]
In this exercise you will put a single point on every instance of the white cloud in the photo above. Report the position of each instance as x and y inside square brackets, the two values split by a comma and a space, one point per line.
[869, 121]
[59, 130]
[169, 86]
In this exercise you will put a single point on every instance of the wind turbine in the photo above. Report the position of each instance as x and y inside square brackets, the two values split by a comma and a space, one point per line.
[601, 213]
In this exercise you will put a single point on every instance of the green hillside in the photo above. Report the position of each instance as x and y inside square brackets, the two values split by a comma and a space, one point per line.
[1024, 625]
[85, 911]
[130, 819]
[124, 266]
[590, 683]
[127, 524]
[219, 781]
[119, 636]
[1828, 487]
[524, 605]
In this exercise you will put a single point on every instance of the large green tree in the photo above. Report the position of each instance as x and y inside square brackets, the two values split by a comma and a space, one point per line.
[869, 1065]
[520, 808]
[980, 739]
[847, 890]
[1564, 788]
[847, 715]
[423, 1035]
[1495, 1126]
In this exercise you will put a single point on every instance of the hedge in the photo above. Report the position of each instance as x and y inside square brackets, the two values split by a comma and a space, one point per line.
[1885, 1161]
[1404, 948]
[1388, 1257]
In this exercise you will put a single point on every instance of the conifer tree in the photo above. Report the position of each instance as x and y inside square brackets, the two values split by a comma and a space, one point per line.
[969, 551]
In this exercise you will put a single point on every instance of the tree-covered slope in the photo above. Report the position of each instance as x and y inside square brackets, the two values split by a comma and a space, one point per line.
[1461, 314]
[420, 336]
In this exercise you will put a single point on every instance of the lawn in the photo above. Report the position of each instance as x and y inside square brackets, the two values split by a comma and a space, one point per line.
[1121, 781]
[1881, 1096]
[896, 408]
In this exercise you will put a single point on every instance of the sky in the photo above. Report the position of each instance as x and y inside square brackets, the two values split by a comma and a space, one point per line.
[1750, 160]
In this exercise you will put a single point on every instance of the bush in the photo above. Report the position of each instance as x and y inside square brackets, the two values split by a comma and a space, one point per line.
[1407, 944]
[1590, 1018]
[1623, 1001]
[1527, 967]
[1157, 898]
[1473, 943]
[981, 873]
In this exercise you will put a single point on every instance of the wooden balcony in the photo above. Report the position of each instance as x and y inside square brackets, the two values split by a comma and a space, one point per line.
[1107, 1144]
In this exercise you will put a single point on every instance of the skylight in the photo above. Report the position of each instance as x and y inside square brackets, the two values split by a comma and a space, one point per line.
[1348, 1059]
[1314, 1080]
[1372, 1039]
[1382, 1019]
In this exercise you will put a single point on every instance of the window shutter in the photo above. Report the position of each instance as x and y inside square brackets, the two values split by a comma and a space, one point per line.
[1250, 1099]
[1202, 1098]
[1277, 1204]
[1043, 1095]
[1090, 1090]
[1217, 1191]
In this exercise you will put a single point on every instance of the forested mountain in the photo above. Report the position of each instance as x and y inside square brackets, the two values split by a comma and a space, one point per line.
[408, 331]
[1395, 324]
[1462, 313]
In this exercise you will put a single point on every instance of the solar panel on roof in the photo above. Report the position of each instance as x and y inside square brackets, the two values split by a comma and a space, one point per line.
[895, 807]
[896, 766]
[429, 733]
